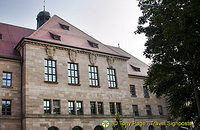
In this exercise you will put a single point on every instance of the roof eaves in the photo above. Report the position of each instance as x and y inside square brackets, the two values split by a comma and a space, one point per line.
[25, 38]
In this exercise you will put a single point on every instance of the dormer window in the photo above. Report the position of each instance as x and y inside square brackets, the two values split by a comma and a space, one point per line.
[135, 68]
[92, 44]
[55, 37]
[65, 27]
[0, 36]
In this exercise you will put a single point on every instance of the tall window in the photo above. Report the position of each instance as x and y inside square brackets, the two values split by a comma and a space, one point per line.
[71, 107]
[100, 108]
[73, 76]
[93, 76]
[56, 107]
[6, 107]
[160, 109]
[132, 90]
[119, 109]
[146, 92]
[112, 108]
[79, 107]
[111, 78]
[148, 110]
[93, 108]
[47, 106]
[7, 79]
[135, 110]
[50, 70]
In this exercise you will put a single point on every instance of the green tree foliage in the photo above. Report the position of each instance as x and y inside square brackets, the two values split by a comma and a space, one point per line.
[172, 28]
[119, 124]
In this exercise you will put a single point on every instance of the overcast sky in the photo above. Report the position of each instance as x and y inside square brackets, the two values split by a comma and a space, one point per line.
[109, 21]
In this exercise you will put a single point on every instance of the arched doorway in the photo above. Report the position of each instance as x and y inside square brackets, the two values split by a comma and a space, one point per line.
[151, 127]
[77, 128]
[98, 128]
[137, 128]
[53, 128]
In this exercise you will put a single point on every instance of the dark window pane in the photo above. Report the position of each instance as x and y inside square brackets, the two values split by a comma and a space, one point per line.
[132, 90]
[119, 109]
[100, 108]
[112, 108]
[135, 110]
[93, 108]
[160, 110]
[6, 107]
[148, 110]
[146, 92]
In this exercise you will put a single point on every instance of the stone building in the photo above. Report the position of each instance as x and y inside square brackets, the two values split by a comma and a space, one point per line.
[60, 78]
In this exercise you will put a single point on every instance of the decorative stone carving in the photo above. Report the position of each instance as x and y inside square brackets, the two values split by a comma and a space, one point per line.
[110, 61]
[72, 55]
[50, 52]
[92, 59]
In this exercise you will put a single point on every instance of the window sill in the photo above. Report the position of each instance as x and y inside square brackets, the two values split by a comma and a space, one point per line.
[74, 84]
[95, 86]
[51, 82]
[133, 96]
[113, 87]
[6, 86]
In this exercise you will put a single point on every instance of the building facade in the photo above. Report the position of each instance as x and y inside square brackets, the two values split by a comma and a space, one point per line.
[59, 78]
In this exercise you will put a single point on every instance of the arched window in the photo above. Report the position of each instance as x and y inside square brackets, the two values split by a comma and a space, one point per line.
[151, 127]
[77, 128]
[163, 127]
[53, 128]
[137, 128]
[98, 128]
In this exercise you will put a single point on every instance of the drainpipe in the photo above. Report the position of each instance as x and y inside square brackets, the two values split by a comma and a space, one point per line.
[21, 91]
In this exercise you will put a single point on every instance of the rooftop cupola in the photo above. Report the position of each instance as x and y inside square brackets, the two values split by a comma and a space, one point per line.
[42, 17]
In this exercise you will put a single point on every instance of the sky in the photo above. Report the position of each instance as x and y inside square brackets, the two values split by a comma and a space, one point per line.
[111, 22]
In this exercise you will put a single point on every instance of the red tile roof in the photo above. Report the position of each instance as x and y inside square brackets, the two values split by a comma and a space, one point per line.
[11, 35]
[133, 61]
[74, 37]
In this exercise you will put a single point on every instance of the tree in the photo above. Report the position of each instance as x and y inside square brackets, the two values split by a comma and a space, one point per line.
[172, 28]
[119, 124]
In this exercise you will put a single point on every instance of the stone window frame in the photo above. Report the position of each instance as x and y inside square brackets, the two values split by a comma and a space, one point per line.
[93, 76]
[6, 79]
[146, 92]
[160, 110]
[71, 104]
[100, 109]
[79, 107]
[47, 107]
[112, 108]
[56, 109]
[93, 108]
[148, 110]
[133, 91]
[49, 70]
[135, 110]
[6, 112]
[112, 78]
[73, 73]
[119, 108]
